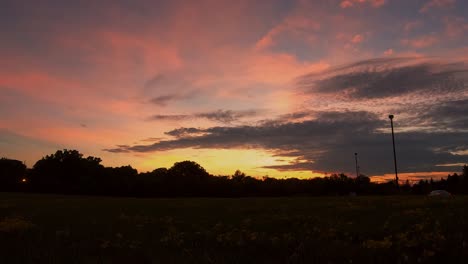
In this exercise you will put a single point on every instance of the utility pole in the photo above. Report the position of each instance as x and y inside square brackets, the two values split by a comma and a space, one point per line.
[394, 152]
[357, 166]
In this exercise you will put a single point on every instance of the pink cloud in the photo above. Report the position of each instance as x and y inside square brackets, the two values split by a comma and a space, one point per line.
[358, 38]
[40, 84]
[420, 42]
[436, 4]
[308, 25]
[266, 41]
[458, 53]
[346, 4]
[297, 24]
[279, 68]
[388, 52]
[455, 26]
[351, 3]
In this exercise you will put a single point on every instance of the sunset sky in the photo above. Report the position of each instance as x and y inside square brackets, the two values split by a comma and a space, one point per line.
[280, 88]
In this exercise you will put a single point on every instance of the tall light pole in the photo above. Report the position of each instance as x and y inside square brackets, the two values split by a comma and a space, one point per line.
[394, 152]
[357, 167]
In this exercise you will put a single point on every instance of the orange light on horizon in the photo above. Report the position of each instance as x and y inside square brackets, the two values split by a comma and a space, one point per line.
[252, 162]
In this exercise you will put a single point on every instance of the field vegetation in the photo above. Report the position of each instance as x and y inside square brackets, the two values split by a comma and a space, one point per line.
[39, 228]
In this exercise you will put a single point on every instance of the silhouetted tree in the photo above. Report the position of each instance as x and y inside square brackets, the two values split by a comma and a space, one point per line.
[66, 171]
[187, 178]
[119, 180]
[153, 183]
[188, 169]
[11, 174]
[362, 184]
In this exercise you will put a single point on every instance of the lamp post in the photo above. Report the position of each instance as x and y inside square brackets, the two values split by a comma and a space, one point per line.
[357, 167]
[394, 152]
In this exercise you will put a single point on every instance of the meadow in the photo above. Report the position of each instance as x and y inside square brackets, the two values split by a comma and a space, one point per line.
[39, 228]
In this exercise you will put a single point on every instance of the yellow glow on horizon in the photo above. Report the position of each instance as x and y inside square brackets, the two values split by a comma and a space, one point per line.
[226, 161]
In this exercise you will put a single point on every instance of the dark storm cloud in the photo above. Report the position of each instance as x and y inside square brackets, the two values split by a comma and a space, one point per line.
[326, 144]
[380, 78]
[222, 116]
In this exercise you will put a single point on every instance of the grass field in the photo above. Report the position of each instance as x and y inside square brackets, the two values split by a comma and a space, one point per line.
[38, 228]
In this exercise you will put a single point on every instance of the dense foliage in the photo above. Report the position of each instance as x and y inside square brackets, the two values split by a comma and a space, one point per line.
[69, 172]
[11, 173]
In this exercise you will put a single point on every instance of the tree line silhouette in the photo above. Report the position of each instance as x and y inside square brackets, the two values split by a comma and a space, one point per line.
[69, 172]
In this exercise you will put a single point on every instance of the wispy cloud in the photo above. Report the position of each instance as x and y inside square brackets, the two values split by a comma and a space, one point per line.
[228, 116]
[448, 115]
[151, 139]
[292, 24]
[432, 4]
[164, 100]
[412, 25]
[389, 77]
[388, 52]
[358, 38]
[421, 41]
[221, 116]
[351, 3]
[185, 132]
[168, 117]
[154, 81]
[455, 26]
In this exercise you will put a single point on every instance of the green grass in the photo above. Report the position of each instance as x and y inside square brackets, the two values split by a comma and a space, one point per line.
[38, 228]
